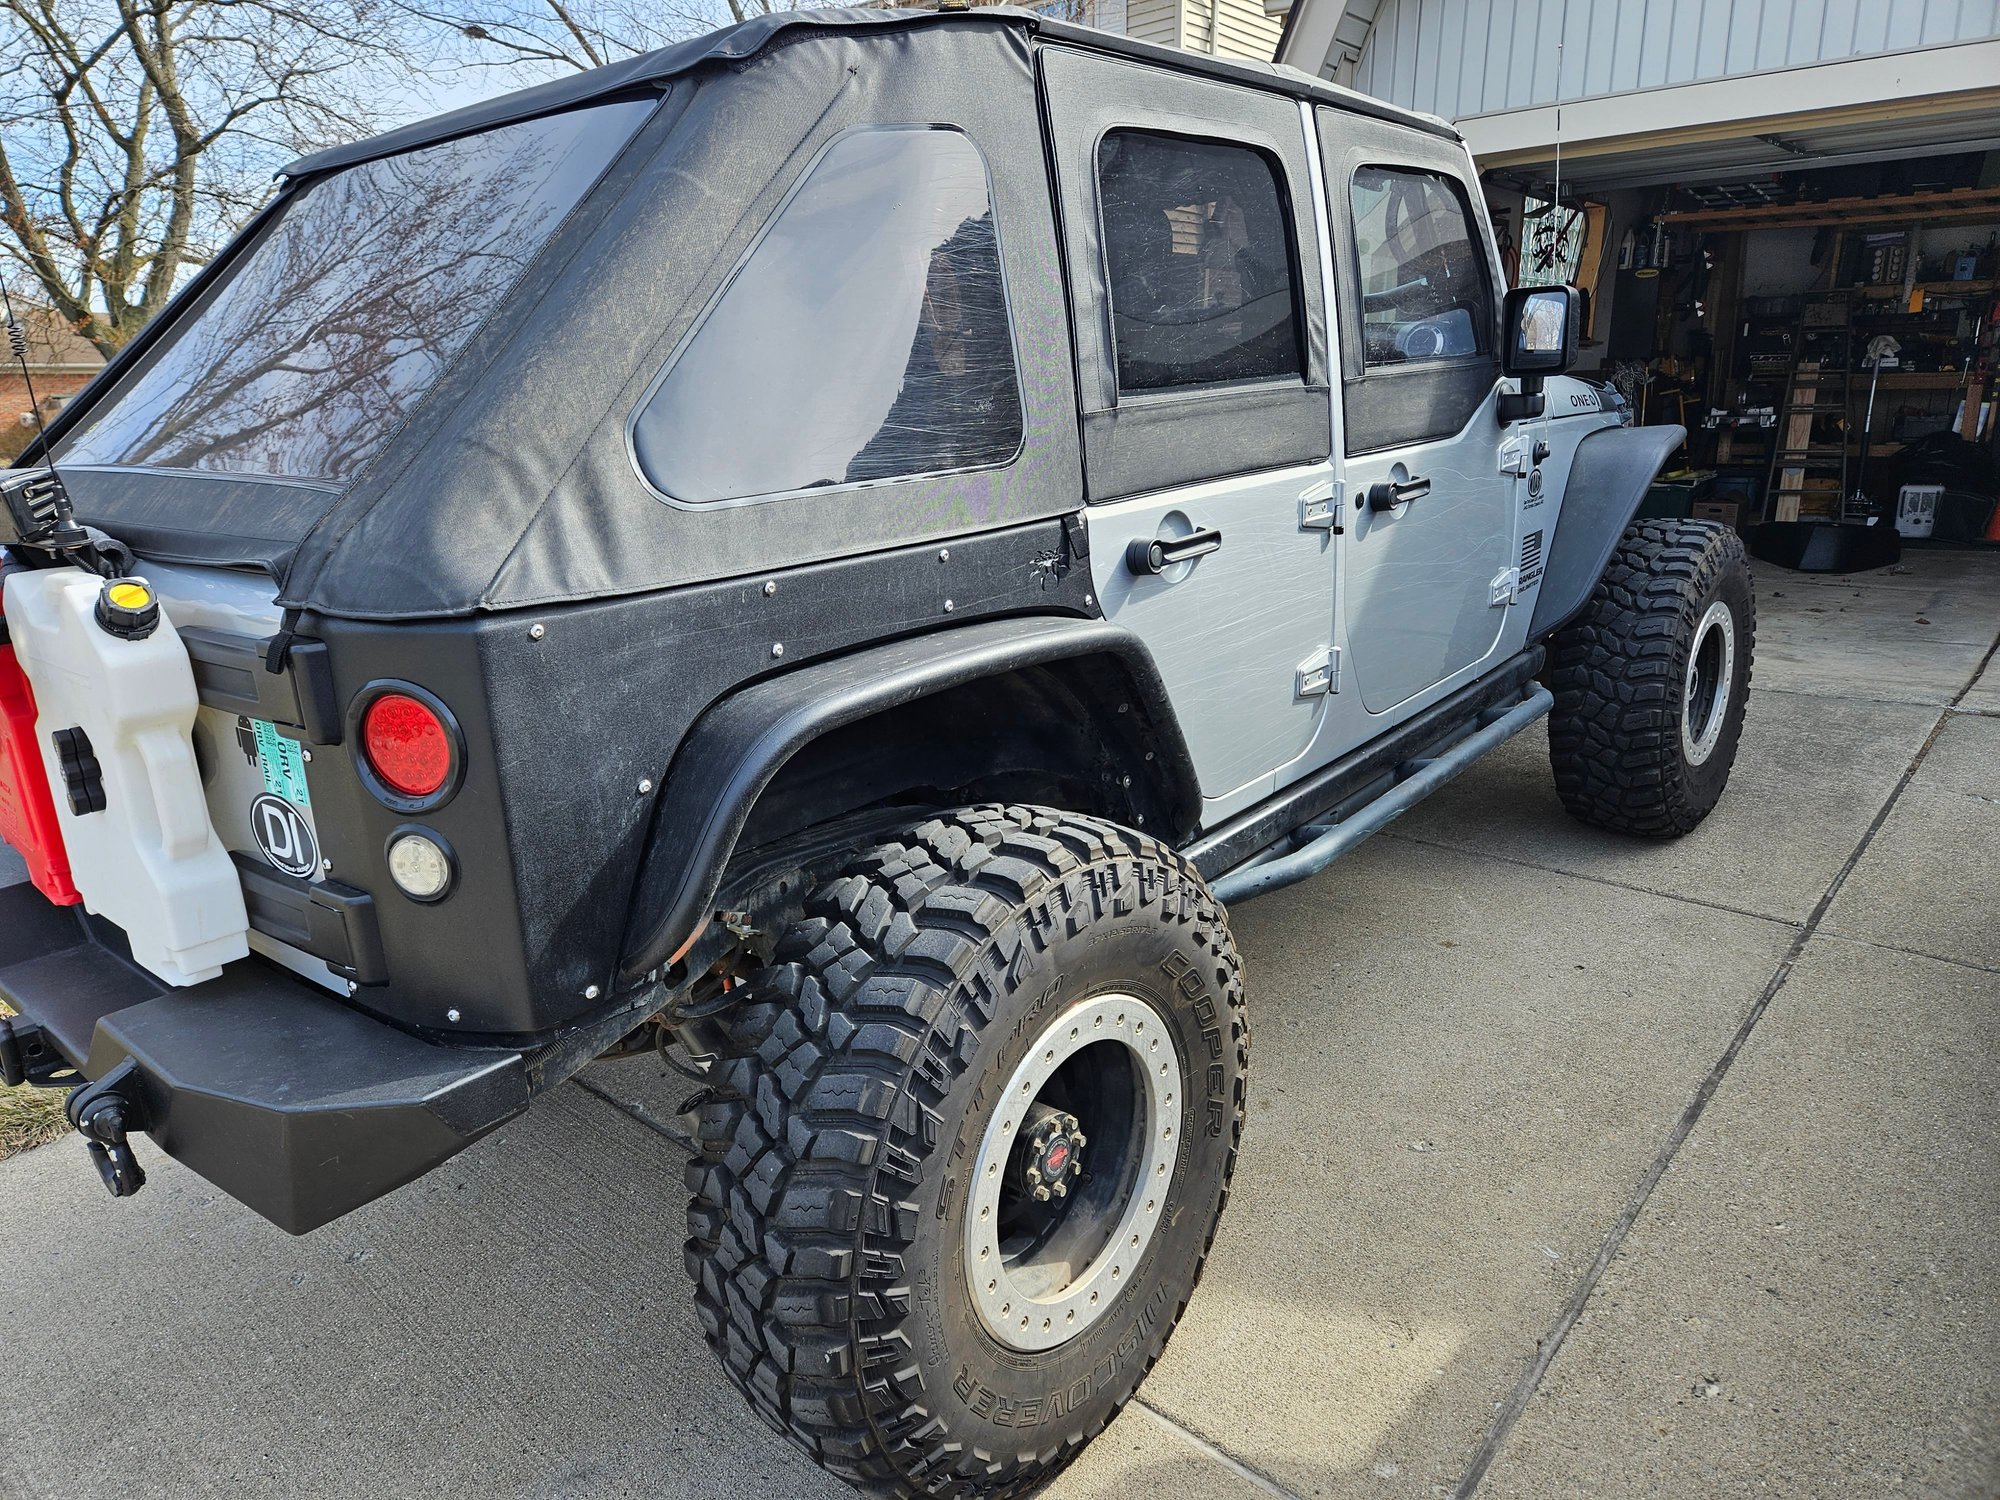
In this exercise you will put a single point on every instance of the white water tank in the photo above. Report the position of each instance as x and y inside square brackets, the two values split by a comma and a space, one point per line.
[149, 859]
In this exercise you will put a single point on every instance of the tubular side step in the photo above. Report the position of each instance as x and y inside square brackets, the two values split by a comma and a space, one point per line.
[1328, 842]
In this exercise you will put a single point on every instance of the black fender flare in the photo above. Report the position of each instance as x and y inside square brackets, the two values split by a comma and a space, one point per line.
[742, 741]
[1607, 480]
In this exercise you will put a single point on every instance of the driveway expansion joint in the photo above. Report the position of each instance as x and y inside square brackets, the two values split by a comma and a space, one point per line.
[644, 1116]
[1623, 885]
[1551, 1343]
[1252, 1476]
[1937, 958]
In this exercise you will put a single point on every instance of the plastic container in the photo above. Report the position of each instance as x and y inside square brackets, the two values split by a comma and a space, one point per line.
[1916, 508]
[148, 858]
[27, 811]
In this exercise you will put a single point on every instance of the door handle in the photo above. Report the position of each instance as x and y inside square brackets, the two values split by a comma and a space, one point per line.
[1390, 492]
[1162, 552]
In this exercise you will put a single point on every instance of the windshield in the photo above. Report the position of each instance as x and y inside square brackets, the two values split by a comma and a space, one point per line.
[329, 331]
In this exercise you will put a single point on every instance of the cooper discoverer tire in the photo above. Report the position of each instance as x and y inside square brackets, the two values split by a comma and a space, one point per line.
[1651, 680]
[1001, 1002]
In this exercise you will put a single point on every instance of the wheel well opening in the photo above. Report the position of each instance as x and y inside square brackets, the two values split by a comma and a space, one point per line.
[1072, 734]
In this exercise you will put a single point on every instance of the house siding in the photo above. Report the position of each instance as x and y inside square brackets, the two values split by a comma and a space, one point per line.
[1246, 30]
[1231, 28]
[1154, 21]
[1440, 55]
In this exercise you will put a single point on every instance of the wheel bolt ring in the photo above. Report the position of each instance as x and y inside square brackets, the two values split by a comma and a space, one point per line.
[1002, 1299]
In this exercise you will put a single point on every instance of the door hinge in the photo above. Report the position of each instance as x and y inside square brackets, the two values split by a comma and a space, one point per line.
[1514, 458]
[1506, 587]
[1319, 673]
[1076, 538]
[1320, 507]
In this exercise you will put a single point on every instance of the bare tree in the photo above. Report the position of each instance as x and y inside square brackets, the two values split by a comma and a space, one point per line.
[536, 38]
[137, 135]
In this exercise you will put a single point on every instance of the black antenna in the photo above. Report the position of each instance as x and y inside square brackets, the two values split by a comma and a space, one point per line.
[17, 340]
[37, 504]
[1556, 192]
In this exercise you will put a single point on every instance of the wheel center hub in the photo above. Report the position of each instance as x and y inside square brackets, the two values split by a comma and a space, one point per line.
[1047, 1153]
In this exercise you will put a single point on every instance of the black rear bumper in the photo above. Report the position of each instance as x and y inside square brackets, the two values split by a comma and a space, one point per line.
[283, 1097]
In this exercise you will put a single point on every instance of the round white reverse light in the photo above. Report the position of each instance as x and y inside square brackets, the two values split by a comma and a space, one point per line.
[419, 866]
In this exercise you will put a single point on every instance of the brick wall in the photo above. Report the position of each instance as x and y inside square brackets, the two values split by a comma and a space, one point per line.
[58, 384]
[51, 387]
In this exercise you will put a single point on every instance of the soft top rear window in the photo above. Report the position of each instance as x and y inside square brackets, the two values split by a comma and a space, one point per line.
[332, 327]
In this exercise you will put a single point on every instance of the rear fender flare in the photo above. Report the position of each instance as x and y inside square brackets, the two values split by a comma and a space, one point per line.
[1607, 480]
[744, 740]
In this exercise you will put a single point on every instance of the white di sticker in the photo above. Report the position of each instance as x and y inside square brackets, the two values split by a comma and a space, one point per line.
[283, 763]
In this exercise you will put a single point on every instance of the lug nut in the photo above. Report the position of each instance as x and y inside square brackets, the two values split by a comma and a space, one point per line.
[1041, 1195]
[1061, 1190]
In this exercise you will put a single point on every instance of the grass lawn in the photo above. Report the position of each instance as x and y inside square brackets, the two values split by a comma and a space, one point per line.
[29, 1117]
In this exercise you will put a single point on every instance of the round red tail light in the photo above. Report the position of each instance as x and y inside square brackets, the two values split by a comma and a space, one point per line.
[407, 744]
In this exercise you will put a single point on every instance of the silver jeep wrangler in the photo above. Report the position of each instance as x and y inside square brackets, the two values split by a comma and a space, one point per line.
[836, 552]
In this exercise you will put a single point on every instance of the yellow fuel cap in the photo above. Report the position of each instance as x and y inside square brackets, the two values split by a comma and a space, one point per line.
[127, 609]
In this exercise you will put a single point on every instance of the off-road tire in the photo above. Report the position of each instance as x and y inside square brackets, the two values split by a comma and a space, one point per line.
[828, 1207]
[1620, 675]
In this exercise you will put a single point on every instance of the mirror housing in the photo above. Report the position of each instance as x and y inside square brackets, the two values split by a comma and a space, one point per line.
[1544, 328]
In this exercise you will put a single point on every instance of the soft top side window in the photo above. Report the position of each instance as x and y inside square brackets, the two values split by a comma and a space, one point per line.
[1424, 288]
[1199, 259]
[864, 337]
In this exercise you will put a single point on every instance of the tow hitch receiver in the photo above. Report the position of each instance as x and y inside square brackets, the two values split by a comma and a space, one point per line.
[28, 1055]
[105, 1112]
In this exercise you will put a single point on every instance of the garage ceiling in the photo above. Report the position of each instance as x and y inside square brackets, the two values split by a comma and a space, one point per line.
[1757, 147]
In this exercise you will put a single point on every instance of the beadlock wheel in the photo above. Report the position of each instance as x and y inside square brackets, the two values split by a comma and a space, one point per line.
[1071, 1173]
[1705, 697]
[1011, 1009]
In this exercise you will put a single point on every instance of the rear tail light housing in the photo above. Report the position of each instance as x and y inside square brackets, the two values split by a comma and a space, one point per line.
[421, 864]
[409, 750]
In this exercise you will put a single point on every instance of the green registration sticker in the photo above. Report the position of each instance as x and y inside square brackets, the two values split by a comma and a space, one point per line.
[283, 762]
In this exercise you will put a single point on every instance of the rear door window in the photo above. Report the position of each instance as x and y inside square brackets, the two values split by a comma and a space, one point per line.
[321, 341]
[865, 336]
[1199, 263]
[1424, 292]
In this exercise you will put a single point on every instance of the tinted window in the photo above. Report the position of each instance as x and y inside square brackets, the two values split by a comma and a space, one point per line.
[865, 336]
[1198, 253]
[1423, 275]
[332, 327]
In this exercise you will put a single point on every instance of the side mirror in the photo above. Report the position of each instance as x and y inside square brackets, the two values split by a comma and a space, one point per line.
[1544, 327]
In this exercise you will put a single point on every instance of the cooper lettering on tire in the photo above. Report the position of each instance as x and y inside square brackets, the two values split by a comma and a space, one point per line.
[284, 835]
[966, 1147]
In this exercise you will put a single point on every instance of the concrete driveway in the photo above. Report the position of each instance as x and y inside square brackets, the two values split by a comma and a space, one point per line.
[1576, 1167]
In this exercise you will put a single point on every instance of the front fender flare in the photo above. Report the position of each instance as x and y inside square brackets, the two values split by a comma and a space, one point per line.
[1607, 480]
[741, 742]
